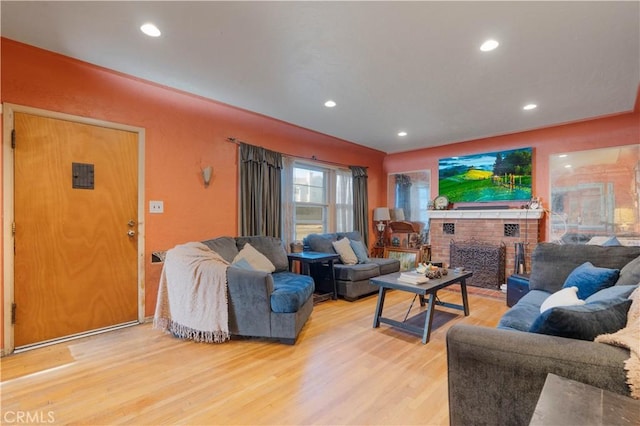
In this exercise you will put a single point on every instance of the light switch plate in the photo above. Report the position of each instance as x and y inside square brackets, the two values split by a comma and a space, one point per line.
[156, 206]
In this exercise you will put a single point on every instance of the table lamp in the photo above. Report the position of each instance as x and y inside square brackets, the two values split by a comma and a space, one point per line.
[380, 216]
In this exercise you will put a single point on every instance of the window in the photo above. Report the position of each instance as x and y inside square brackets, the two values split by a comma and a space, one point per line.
[322, 200]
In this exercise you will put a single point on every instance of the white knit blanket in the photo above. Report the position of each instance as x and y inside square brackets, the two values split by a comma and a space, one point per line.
[192, 295]
[629, 337]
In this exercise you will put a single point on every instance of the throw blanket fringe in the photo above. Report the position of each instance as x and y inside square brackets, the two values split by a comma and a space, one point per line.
[192, 295]
[184, 332]
[629, 337]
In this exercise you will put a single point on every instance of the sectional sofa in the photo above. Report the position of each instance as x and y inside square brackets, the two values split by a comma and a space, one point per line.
[496, 374]
[264, 304]
[352, 280]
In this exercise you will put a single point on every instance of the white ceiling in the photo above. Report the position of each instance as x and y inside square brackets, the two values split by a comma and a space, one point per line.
[390, 66]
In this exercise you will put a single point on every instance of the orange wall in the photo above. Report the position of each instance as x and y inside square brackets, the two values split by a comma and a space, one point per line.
[183, 131]
[618, 130]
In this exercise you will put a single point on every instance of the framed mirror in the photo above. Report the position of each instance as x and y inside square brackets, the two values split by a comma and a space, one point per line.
[411, 192]
[594, 195]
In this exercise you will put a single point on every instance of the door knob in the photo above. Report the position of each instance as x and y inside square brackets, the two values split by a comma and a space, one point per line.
[131, 233]
[131, 223]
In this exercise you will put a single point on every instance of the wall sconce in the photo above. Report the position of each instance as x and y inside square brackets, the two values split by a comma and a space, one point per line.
[206, 175]
[380, 216]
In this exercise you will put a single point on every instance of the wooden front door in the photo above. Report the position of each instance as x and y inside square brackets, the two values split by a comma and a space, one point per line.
[76, 202]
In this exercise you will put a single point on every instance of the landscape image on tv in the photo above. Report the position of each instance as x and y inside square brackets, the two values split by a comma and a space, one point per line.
[493, 176]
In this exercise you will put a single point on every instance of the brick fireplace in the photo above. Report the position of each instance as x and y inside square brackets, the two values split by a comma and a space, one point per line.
[496, 227]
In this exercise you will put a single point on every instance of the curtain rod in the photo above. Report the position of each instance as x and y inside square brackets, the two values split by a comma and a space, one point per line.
[312, 158]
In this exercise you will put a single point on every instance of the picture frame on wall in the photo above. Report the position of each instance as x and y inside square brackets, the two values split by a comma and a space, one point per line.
[409, 258]
[487, 177]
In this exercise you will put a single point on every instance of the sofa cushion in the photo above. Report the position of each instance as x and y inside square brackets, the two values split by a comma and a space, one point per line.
[253, 257]
[360, 250]
[387, 266]
[321, 242]
[566, 297]
[551, 263]
[343, 248]
[524, 313]
[583, 322]
[618, 292]
[358, 272]
[224, 246]
[271, 247]
[353, 235]
[630, 273]
[605, 241]
[290, 291]
[589, 279]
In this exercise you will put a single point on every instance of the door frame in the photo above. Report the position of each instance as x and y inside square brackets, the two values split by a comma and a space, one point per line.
[8, 190]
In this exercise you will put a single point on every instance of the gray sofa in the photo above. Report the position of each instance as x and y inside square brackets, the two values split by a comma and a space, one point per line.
[496, 375]
[274, 305]
[352, 281]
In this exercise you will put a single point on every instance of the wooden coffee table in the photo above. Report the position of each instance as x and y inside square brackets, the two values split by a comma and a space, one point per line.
[430, 288]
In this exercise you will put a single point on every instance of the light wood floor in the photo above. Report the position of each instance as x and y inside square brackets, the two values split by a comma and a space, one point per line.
[340, 371]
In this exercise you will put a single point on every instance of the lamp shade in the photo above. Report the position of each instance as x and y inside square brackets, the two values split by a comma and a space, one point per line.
[380, 214]
[397, 214]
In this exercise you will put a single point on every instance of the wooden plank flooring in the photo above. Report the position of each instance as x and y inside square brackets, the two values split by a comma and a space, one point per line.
[341, 371]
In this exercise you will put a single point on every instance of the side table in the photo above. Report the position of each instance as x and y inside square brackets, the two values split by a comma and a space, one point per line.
[567, 402]
[306, 258]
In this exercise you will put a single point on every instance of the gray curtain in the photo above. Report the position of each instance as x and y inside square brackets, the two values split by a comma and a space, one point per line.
[260, 191]
[360, 202]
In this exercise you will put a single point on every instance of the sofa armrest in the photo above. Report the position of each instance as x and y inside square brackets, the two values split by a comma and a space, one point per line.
[249, 294]
[496, 376]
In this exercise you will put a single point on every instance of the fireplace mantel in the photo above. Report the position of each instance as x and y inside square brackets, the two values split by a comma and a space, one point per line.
[487, 214]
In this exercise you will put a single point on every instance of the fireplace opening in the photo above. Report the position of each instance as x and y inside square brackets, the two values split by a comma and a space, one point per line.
[485, 260]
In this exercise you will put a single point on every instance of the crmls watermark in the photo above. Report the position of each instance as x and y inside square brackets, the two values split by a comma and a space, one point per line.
[28, 417]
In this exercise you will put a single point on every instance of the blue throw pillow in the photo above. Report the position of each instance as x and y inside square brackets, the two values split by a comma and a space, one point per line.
[612, 241]
[617, 292]
[360, 250]
[589, 279]
[583, 322]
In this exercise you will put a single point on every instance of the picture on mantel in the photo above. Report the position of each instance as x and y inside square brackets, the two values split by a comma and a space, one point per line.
[488, 177]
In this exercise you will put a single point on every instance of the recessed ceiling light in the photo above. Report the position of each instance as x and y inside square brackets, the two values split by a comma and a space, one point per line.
[489, 45]
[567, 166]
[330, 104]
[402, 133]
[529, 106]
[150, 30]
[562, 155]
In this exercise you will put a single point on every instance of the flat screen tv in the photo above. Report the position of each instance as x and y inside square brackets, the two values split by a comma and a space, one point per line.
[488, 177]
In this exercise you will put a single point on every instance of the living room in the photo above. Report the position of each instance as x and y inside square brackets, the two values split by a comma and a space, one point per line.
[184, 132]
